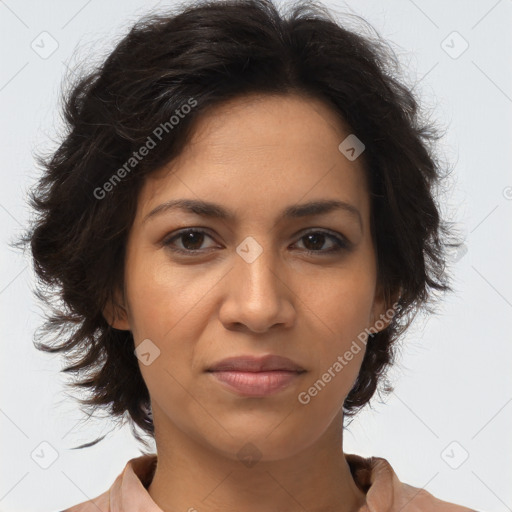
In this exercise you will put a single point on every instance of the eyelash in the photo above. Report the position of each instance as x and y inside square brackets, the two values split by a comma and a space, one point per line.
[341, 243]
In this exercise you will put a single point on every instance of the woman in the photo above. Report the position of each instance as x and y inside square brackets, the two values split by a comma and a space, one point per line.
[241, 223]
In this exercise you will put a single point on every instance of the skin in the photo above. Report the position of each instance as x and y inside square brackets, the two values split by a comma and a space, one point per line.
[255, 156]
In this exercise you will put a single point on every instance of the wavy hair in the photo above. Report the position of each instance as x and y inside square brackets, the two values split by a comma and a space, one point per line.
[213, 51]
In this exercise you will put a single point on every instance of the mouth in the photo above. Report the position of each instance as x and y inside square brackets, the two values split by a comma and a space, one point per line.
[250, 363]
[256, 376]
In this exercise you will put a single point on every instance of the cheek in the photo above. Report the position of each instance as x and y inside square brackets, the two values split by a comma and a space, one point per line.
[168, 306]
[344, 306]
[162, 296]
[344, 302]
[166, 309]
[345, 312]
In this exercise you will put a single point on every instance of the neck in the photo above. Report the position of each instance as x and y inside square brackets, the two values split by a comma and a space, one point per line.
[191, 476]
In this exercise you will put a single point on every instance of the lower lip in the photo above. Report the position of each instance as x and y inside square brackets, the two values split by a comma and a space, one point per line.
[256, 383]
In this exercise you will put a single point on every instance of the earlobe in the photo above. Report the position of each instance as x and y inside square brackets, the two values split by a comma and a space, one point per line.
[115, 312]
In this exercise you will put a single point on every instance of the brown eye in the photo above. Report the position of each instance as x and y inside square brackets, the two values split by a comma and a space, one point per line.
[191, 241]
[315, 240]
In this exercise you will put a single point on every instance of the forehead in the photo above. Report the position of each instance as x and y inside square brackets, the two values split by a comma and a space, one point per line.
[257, 152]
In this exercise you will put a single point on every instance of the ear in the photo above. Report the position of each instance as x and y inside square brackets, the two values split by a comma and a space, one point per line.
[384, 308]
[115, 311]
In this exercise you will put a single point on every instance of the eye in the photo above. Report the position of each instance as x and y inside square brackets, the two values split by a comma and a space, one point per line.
[191, 240]
[317, 239]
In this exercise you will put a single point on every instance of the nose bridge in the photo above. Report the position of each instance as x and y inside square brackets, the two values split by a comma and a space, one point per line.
[256, 268]
[256, 296]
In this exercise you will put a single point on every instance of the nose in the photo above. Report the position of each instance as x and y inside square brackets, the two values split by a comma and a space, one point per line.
[257, 296]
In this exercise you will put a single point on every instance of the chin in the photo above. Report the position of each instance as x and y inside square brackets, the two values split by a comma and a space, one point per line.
[261, 439]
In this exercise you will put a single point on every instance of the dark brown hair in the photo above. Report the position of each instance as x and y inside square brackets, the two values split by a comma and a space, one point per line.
[203, 55]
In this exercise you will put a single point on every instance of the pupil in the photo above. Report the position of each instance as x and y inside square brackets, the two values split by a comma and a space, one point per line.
[189, 239]
[316, 237]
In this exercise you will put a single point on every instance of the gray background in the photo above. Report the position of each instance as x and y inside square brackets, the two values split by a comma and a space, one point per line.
[453, 382]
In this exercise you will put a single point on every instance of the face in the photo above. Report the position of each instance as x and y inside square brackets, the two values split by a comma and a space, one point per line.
[201, 288]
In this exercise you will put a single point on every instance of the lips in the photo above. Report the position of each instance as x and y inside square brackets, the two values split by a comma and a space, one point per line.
[251, 376]
[256, 364]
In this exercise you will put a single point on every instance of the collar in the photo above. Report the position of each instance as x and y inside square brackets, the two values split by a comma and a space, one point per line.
[373, 475]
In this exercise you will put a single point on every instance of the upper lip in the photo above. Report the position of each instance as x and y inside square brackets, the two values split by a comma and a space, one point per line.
[256, 364]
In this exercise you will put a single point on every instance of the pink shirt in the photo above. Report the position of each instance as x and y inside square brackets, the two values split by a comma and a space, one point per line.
[373, 475]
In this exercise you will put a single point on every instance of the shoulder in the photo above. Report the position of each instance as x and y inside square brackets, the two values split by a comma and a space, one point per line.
[385, 492]
[128, 488]
[414, 499]
[98, 504]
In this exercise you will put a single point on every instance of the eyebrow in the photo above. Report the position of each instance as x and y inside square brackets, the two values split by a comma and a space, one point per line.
[212, 210]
